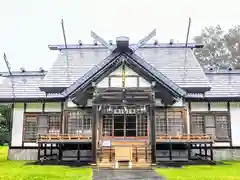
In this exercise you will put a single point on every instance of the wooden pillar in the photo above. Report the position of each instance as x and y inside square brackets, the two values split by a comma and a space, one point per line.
[211, 151]
[60, 152]
[39, 151]
[51, 151]
[62, 127]
[94, 137]
[189, 150]
[170, 151]
[78, 152]
[205, 149]
[45, 151]
[200, 149]
[153, 132]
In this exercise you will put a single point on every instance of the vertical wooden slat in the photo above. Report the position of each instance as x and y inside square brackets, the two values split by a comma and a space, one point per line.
[94, 119]
[229, 123]
[153, 134]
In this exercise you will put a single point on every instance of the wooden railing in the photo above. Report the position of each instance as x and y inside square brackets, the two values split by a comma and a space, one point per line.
[185, 138]
[62, 137]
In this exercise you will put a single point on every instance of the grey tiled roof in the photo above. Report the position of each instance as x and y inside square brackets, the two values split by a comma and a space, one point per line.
[222, 85]
[171, 62]
[21, 87]
[71, 65]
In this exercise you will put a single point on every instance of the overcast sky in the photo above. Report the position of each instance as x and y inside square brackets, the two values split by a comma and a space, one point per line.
[27, 27]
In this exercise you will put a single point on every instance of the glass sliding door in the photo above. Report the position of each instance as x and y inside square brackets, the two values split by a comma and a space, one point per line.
[117, 123]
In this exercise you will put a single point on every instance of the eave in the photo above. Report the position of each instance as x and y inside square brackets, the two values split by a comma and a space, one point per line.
[26, 100]
[196, 89]
[213, 99]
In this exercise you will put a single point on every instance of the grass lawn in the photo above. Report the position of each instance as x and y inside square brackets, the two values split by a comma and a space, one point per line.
[17, 170]
[219, 172]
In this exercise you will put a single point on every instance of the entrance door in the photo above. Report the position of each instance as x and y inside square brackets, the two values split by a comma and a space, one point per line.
[119, 125]
[125, 125]
[131, 126]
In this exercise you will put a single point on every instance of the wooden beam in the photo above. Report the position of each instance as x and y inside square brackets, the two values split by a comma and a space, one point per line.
[94, 133]
[153, 132]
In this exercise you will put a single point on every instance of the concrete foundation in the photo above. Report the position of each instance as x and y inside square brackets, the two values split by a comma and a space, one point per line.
[32, 154]
[218, 154]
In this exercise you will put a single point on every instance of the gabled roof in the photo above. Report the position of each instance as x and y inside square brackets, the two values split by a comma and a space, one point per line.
[136, 63]
[175, 62]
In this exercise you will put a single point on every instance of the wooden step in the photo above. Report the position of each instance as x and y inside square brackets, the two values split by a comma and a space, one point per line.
[140, 157]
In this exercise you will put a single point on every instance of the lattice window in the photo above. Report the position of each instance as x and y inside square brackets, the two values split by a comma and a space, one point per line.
[222, 127]
[43, 124]
[161, 123]
[197, 124]
[79, 122]
[214, 124]
[30, 127]
[142, 125]
[47, 123]
[175, 124]
[54, 123]
[107, 125]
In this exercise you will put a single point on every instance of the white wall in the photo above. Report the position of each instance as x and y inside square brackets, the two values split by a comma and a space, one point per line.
[199, 106]
[235, 122]
[129, 81]
[52, 107]
[34, 107]
[218, 106]
[17, 124]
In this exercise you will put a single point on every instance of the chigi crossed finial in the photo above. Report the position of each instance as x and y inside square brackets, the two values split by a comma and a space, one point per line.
[122, 42]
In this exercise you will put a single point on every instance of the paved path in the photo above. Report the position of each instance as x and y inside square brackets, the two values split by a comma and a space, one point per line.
[102, 174]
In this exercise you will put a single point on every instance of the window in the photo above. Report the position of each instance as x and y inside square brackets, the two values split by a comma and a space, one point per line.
[214, 124]
[34, 124]
[161, 123]
[79, 122]
[119, 122]
[172, 124]
[30, 127]
[142, 125]
[175, 123]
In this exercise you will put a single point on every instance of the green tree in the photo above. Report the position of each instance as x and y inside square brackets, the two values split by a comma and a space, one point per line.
[221, 49]
[5, 122]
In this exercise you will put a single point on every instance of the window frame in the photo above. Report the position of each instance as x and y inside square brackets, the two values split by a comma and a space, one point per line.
[163, 118]
[214, 114]
[37, 115]
[84, 114]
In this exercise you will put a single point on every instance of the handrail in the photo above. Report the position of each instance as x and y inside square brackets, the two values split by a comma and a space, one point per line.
[185, 137]
[62, 137]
